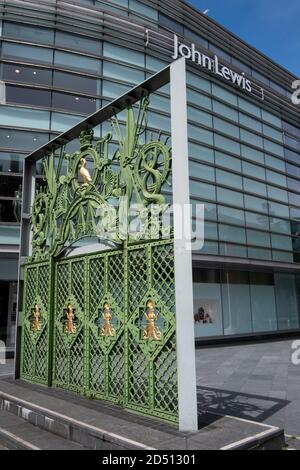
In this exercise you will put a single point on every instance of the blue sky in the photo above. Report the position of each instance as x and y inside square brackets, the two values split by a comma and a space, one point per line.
[272, 26]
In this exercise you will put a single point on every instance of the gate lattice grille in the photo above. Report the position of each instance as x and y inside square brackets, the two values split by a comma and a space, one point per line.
[35, 343]
[127, 369]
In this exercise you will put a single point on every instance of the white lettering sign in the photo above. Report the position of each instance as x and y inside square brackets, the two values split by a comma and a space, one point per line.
[182, 50]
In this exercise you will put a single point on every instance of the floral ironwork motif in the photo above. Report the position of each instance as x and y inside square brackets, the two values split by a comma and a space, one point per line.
[67, 209]
[108, 326]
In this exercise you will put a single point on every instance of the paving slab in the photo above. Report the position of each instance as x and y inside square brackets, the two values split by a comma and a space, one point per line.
[262, 372]
[101, 425]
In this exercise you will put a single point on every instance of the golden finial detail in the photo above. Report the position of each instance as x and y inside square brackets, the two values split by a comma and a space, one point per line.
[70, 326]
[84, 172]
[151, 331]
[36, 324]
[107, 328]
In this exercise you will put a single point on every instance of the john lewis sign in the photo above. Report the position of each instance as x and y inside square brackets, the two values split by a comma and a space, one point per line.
[182, 50]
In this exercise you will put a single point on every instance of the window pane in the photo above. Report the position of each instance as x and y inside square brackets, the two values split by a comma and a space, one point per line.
[254, 170]
[276, 178]
[250, 122]
[188, 33]
[226, 127]
[255, 187]
[227, 161]
[113, 90]
[143, 9]
[202, 171]
[63, 122]
[74, 103]
[252, 154]
[202, 190]
[9, 184]
[199, 134]
[225, 111]
[158, 121]
[25, 74]
[207, 309]
[256, 204]
[230, 197]
[273, 148]
[259, 253]
[11, 162]
[127, 74]
[251, 138]
[200, 117]
[224, 94]
[249, 107]
[78, 42]
[229, 179]
[76, 61]
[35, 34]
[228, 249]
[35, 97]
[22, 117]
[21, 140]
[236, 306]
[226, 144]
[160, 102]
[278, 210]
[279, 225]
[257, 221]
[152, 63]
[268, 117]
[198, 99]
[263, 306]
[7, 213]
[30, 53]
[232, 234]
[286, 301]
[232, 216]
[198, 82]
[124, 54]
[279, 194]
[258, 238]
[275, 163]
[281, 243]
[74, 82]
[273, 133]
[201, 153]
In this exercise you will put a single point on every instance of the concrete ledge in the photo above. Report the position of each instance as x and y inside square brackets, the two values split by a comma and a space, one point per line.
[101, 426]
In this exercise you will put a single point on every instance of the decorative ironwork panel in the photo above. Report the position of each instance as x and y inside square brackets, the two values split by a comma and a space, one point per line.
[69, 324]
[36, 323]
[151, 330]
[103, 324]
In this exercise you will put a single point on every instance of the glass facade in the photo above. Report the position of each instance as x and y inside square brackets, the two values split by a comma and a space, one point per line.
[239, 163]
[234, 303]
[244, 160]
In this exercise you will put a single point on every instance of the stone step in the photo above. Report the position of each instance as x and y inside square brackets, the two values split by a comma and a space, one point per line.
[100, 425]
[17, 434]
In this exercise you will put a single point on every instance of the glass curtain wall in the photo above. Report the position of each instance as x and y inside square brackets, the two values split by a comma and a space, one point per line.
[240, 302]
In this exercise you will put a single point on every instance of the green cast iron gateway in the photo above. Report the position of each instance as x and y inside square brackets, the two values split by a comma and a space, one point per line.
[103, 323]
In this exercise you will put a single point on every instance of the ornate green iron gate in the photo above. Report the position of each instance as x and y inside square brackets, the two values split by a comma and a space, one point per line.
[103, 324]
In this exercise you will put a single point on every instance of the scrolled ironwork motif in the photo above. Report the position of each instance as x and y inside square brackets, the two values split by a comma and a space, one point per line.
[81, 186]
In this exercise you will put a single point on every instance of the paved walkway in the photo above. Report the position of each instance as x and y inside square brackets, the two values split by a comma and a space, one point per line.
[251, 381]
